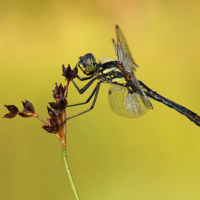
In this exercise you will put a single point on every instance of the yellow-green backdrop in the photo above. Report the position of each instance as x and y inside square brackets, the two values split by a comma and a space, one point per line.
[154, 157]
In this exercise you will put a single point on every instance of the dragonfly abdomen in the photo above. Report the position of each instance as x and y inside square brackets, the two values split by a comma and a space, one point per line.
[181, 109]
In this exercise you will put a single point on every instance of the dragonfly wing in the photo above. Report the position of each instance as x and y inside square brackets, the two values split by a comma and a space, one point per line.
[140, 92]
[121, 100]
[125, 104]
[115, 46]
[123, 52]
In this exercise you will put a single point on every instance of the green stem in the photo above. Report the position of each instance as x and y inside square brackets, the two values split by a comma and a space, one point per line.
[69, 173]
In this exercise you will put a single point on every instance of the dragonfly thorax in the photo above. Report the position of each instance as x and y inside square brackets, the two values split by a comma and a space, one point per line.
[111, 73]
[87, 63]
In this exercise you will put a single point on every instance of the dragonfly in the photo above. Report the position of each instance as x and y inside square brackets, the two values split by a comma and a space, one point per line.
[128, 96]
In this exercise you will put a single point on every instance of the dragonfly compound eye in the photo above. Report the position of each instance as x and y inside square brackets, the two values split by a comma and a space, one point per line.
[87, 63]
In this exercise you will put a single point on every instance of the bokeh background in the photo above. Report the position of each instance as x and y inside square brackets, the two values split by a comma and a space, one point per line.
[154, 157]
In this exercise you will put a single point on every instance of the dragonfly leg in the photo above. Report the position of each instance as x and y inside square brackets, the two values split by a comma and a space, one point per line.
[92, 94]
[84, 78]
[82, 90]
[96, 92]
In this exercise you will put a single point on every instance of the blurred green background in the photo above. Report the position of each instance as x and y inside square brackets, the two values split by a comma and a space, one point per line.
[154, 157]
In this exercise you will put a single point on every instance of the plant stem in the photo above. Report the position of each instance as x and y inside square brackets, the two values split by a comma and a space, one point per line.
[36, 115]
[69, 173]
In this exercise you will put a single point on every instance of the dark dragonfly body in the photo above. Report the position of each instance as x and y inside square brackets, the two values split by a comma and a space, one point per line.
[128, 96]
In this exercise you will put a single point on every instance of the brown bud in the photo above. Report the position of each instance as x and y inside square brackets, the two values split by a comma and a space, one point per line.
[13, 111]
[25, 115]
[28, 107]
[50, 129]
[51, 112]
[68, 73]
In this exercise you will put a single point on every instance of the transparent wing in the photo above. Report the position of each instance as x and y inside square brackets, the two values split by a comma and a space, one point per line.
[122, 51]
[140, 92]
[125, 104]
[121, 101]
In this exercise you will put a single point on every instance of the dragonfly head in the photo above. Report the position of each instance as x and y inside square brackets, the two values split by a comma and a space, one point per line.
[87, 63]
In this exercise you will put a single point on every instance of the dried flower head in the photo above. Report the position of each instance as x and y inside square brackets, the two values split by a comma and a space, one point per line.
[13, 111]
[68, 73]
